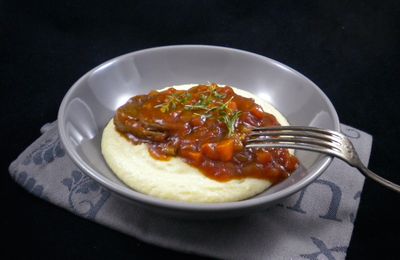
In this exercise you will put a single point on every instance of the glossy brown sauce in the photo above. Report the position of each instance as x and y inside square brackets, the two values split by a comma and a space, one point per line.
[208, 127]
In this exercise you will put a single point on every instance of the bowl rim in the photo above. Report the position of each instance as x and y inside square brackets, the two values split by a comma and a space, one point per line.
[176, 205]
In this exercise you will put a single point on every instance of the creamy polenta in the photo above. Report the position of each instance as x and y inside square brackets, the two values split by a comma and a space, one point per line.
[174, 179]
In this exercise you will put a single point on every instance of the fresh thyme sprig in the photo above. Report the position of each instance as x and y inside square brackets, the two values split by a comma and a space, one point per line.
[227, 117]
[173, 100]
[230, 121]
[202, 104]
[214, 92]
[184, 98]
[219, 95]
[207, 103]
[225, 105]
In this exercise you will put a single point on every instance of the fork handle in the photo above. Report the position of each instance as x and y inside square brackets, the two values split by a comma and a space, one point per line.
[388, 184]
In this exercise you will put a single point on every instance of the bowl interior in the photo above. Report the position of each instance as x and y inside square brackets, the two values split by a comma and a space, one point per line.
[91, 103]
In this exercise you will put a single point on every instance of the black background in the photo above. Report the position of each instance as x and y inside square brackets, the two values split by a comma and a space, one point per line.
[350, 49]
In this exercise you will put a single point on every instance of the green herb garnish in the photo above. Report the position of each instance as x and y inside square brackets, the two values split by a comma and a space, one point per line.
[172, 102]
[208, 103]
[230, 121]
[225, 105]
[184, 98]
[214, 92]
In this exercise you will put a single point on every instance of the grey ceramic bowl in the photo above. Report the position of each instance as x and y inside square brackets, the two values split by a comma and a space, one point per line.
[92, 100]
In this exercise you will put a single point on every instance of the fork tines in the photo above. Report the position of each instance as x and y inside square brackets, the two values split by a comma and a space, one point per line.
[296, 137]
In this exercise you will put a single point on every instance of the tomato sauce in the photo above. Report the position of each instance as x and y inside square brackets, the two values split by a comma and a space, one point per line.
[207, 126]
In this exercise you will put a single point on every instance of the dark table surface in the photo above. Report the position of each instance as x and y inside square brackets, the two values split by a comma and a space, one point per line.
[350, 49]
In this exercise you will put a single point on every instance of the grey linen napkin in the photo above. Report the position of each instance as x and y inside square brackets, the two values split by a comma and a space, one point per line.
[314, 223]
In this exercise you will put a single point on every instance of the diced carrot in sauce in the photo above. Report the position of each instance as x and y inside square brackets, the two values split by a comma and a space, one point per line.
[225, 150]
[263, 157]
[208, 149]
[194, 156]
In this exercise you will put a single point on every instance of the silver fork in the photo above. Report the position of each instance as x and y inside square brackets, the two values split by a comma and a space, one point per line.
[313, 139]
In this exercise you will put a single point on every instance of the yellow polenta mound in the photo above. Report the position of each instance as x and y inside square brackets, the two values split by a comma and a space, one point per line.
[174, 179]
